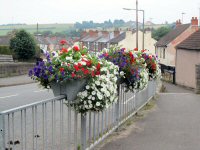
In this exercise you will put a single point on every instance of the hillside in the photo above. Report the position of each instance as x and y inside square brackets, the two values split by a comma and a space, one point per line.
[4, 29]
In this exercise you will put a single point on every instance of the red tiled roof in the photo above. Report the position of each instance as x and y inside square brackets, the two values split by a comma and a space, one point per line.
[164, 41]
[191, 43]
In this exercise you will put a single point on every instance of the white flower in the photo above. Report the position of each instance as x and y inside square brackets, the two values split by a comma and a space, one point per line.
[90, 106]
[89, 102]
[83, 63]
[90, 97]
[93, 92]
[100, 96]
[87, 87]
[68, 58]
[97, 82]
[98, 104]
[122, 73]
[93, 98]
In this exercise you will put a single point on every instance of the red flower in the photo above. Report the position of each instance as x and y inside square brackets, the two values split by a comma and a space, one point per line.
[106, 54]
[73, 74]
[143, 50]
[135, 49]
[62, 69]
[98, 66]
[86, 72]
[89, 63]
[64, 50]
[93, 74]
[76, 48]
[79, 65]
[154, 66]
[63, 42]
[150, 57]
[76, 67]
[97, 72]
[83, 69]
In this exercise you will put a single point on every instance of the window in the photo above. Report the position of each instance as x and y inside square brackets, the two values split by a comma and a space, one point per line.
[164, 53]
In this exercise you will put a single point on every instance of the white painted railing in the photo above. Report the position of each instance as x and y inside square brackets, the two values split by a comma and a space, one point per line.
[51, 124]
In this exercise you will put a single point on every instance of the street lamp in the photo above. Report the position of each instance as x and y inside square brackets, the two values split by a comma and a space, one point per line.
[137, 26]
[182, 16]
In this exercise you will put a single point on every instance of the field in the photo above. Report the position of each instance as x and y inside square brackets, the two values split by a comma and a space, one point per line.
[4, 29]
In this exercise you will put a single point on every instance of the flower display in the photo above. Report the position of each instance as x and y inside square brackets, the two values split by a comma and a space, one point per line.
[76, 64]
[132, 66]
[151, 64]
[100, 92]
[66, 64]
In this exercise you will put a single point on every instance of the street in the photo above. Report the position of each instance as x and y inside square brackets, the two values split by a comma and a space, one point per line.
[14, 96]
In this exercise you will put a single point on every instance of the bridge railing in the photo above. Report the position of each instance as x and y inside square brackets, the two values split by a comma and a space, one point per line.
[51, 124]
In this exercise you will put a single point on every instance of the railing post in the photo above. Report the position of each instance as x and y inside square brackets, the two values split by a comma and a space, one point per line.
[83, 132]
[2, 132]
[117, 105]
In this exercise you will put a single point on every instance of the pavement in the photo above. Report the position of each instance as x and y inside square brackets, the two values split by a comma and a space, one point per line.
[16, 80]
[174, 124]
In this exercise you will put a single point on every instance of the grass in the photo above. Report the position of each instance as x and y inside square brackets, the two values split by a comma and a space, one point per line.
[33, 28]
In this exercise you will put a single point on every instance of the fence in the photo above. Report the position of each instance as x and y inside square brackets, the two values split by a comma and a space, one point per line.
[50, 124]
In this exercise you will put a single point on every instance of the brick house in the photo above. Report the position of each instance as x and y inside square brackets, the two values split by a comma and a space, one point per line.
[97, 40]
[187, 57]
[165, 47]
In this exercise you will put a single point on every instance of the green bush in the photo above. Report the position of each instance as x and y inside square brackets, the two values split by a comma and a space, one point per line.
[23, 44]
[5, 50]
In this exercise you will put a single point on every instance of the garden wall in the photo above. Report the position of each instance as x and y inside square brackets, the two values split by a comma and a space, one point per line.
[14, 69]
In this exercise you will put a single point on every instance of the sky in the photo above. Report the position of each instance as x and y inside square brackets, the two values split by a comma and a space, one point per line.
[71, 11]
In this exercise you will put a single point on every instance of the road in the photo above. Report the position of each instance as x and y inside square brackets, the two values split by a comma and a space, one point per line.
[14, 96]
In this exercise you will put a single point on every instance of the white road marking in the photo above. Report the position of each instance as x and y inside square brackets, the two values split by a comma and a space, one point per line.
[40, 91]
[174, 93]
[9, 96]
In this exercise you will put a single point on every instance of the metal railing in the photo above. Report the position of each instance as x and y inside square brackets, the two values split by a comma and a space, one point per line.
[52, 125]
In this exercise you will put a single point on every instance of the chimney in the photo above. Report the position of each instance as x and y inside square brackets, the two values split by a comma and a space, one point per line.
[194, 21]
[116, 33]
[178, 23]
[93, 33]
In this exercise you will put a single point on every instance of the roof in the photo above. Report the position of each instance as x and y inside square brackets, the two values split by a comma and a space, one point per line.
[5, 40]
[191, 43]
[164, 41]
[119, 38]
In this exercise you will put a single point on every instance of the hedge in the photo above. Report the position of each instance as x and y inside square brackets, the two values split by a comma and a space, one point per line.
[5, 50]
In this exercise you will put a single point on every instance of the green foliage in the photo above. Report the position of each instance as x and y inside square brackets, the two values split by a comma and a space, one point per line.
[23, 44]
[160, 32]
[5, 50]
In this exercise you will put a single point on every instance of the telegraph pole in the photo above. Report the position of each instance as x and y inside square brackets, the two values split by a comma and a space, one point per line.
[136, 23]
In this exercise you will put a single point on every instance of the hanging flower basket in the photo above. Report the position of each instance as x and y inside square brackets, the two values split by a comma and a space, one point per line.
[69, 88]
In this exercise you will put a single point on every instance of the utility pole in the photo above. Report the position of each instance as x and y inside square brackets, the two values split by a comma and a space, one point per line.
[137, 27]
[199, 17]
[182, 16]
[136, 23]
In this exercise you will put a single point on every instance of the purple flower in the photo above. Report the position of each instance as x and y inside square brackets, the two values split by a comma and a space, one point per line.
[30, 72]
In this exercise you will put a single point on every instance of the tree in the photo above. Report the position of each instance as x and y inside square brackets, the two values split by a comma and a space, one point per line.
[160, 32]
[23, 45]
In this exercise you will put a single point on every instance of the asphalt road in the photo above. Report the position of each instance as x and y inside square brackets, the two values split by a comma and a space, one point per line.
[14, 96]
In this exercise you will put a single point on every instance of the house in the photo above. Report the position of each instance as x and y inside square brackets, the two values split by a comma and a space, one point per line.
[128, 40]
[98, 40]
[165, 47]
[187, 57]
